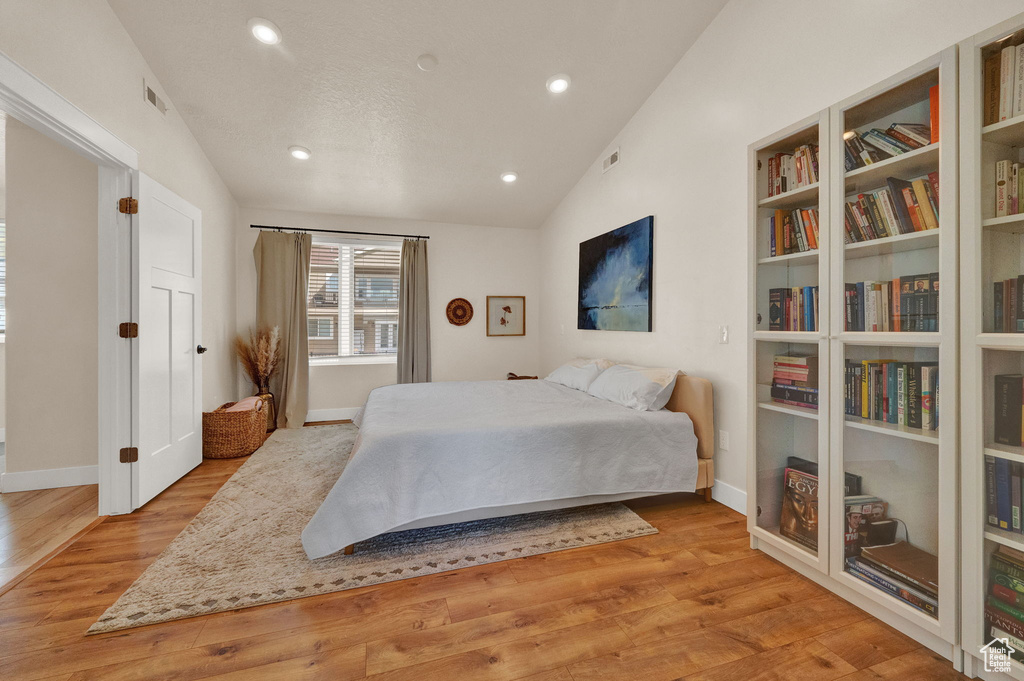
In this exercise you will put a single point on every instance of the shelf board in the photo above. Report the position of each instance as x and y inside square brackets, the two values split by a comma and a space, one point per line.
[1001, 341]
[802, 412]
[805, 258]
[1005, 452]
[1010, 224]
[929, 436]
[894, 244]
[802, 196]
[905, 166]
[885, 594]
[889, 601]
[1014, 540]
[1009, 132]
[901, 338]
[789, 336]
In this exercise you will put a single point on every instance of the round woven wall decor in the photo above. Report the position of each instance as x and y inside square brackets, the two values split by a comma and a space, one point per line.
[459, 311]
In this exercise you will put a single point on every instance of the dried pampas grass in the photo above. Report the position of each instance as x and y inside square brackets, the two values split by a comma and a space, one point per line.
[260, 354]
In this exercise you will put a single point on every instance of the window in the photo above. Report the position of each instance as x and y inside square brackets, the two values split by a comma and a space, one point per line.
[352, 305]
[320, 327]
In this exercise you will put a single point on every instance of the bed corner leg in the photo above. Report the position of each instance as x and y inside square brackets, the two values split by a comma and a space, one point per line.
[707, 494]
[350, 549]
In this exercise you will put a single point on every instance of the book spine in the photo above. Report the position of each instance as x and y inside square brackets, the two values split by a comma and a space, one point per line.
[926, 397]
[913, 396]
[1006, 607]
[1015, 496]
[921, 194]
[991, 500]
[1002, 190]
[1006, 566]
[912, 209]
[898, 134]
[1002, 620]
[1003, 494]
[1006, 78]
[997, 305]
[883, 142]
[1018, 81]
[1007, 405]
[1011, 190]
[991, 85]
[933, 113]
[886, 585]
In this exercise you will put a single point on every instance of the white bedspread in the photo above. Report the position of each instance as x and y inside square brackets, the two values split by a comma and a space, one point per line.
[432, 449]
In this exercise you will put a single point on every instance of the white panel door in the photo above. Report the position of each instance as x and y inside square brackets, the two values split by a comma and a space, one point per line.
[168, 371]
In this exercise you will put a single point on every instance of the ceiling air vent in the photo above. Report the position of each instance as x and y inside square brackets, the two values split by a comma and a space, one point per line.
[153, 98]
[611, 161]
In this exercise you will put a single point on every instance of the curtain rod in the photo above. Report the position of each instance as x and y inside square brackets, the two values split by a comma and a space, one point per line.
[335, 231]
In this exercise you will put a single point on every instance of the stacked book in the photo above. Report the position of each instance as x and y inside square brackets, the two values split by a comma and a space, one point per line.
[795, 380]
[1003, 82]
[793, 231]
[787, 172]
[1009, 189]
[902, 570]
[793, 309]
[876, 145]
[866, 523]
[1004, 608]
[1008, 405]
[1008, 305]
[1003, 480]
[909, 303]
[899, 393]
[900, 208]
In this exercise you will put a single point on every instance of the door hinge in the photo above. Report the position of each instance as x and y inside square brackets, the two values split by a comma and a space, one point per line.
[129, 454]
[128, 205]
[128, 330]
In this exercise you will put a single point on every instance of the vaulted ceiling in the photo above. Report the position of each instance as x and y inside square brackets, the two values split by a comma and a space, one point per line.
[389, 139]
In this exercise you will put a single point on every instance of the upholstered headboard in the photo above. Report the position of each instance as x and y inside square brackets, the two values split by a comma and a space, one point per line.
[694, 397]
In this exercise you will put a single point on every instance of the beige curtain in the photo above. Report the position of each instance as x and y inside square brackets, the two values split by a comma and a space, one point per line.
[282, 277]
[413, 314]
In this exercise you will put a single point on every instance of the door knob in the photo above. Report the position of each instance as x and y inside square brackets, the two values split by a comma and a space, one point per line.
[200, 349]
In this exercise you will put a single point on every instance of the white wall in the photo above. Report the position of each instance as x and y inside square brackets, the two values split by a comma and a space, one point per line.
[80, 49]
[465, 261]
[760, 66]
[52, 287]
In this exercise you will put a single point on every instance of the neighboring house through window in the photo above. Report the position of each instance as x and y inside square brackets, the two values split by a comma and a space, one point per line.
[352, 305]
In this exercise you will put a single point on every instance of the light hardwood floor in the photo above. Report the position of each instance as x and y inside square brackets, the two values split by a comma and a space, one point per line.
[692, 602]
[35, 524]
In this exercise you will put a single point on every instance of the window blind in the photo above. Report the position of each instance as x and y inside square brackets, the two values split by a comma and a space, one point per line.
[352, 306]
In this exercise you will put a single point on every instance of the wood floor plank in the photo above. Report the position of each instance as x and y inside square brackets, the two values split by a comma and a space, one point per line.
[343, 664]
[788, 623]
[917, 665]
[724, 552]
[484, 632]
[715, 608]
[867, 643]
[707, 579]
[560, 674]
[805, 660]
[511, 597]
[520, 658]
[667, 659]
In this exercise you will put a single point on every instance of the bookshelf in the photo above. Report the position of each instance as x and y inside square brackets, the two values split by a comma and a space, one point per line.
[908, 463]
[992, 249]
[778, 430]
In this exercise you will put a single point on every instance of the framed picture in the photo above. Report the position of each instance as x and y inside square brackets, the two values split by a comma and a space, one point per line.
[615, 279]
[506, 315]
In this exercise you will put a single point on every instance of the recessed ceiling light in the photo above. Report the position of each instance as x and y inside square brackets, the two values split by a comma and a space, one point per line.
[265, 31]
[558, 83]
[509, 177]
[301, 153]
[426, 62]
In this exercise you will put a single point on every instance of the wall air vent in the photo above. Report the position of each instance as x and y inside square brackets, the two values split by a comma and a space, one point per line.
[611, 161]
[153, 98]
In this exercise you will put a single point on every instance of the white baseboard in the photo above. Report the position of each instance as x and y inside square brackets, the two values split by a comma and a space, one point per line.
[338, 414]
[50, 478]
[730, 496]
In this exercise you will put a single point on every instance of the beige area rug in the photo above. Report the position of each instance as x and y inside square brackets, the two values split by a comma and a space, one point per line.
[244, 547]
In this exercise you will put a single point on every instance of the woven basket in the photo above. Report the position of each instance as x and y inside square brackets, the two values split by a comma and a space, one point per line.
[227, 434]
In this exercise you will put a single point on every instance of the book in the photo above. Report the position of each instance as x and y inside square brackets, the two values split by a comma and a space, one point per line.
[1009, 389]
[904, 592]
[1002, 178]
[799, 517]
[1018, 81]
[991, 498]
[933, 112]
[915, 565]
[921, 194]
[890, 145]
[1003, 620]
[1007, 69]
[1003, 493]
[990, 109]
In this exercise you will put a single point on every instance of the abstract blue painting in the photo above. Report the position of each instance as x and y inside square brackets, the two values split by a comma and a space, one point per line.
[615, 279]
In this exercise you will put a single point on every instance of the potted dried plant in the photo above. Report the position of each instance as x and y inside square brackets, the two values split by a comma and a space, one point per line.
[260, 355]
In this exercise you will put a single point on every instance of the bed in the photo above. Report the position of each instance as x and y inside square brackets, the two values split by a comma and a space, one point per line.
[431, 454]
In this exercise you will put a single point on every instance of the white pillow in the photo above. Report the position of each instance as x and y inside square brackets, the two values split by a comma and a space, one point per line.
[579, 373]
[635, 387]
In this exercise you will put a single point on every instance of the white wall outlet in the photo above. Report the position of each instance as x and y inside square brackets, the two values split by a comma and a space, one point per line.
[723, 440]
[723, 334]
